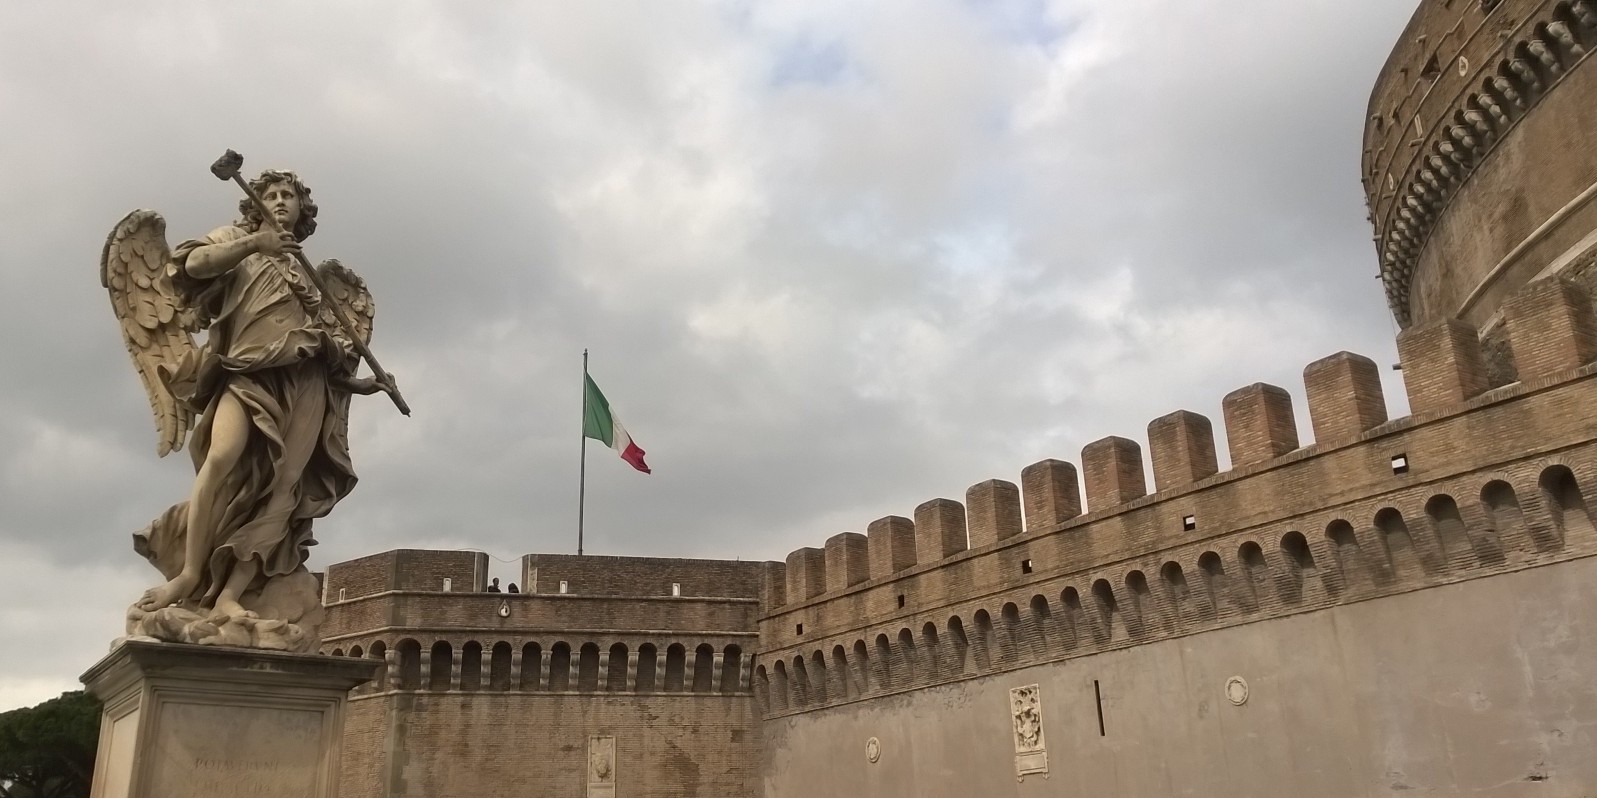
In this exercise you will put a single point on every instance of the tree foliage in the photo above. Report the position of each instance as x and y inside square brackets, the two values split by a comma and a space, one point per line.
[47, 751]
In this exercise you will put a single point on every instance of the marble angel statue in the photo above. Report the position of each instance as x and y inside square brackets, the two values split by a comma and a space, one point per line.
[262, 404]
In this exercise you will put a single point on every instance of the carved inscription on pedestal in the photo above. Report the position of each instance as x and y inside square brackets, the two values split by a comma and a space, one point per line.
[1031, 755]
[601, 767]
[240, 752]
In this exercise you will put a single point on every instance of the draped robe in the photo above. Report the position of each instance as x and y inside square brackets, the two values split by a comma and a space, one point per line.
[266, 350]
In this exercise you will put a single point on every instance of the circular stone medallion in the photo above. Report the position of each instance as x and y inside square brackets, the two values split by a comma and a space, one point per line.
[873, 750]
[1236, 690]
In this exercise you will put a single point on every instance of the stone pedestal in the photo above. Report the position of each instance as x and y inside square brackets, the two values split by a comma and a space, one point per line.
[184, 721]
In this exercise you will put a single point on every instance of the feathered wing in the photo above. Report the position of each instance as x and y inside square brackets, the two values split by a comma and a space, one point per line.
[349, 291]
[157, 325]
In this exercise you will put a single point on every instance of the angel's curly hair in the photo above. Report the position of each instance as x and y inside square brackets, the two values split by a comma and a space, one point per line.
[252, 220]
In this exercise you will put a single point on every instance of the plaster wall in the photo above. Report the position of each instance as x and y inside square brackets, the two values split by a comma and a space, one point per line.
[485, 745]
[1377, 698]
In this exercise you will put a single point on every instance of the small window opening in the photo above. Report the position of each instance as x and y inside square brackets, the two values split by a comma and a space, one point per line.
[1189, 523]
[676, 588]
[1025, 566]
[1400, 464]
[1432, 70]
[901, 601]
[799, 629]
[341, 594]
[563, 586]
[449, 584]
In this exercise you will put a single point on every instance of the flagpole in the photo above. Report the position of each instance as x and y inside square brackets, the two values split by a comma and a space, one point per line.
[582, 470]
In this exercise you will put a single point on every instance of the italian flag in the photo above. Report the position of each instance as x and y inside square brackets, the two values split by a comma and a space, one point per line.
[602, 425]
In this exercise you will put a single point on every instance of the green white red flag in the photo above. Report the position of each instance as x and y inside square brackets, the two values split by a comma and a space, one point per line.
[600, 424]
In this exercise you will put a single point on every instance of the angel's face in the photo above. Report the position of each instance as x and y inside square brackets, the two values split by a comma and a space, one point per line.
[283, 203]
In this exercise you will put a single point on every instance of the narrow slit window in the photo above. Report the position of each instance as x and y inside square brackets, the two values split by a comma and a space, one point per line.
[1025, 566]
[1189, 523]
[798, 629]
[676, 588]
[901, 601]
[449, 584]
[1400, 463]
[1097, 697]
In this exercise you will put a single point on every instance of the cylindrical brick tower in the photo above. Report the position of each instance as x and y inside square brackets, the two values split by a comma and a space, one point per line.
[1480, 154]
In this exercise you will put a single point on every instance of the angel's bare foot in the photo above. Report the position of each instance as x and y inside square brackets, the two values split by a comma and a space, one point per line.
[176, 589]
[229, 608]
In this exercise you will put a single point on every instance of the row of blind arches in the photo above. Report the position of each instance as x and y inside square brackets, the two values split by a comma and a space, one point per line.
[1345, 563]
[558, 669]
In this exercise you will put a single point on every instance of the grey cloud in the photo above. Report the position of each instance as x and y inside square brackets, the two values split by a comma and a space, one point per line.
[970, 237]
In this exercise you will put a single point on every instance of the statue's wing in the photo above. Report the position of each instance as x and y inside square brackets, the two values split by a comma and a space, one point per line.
[156, 324]
[349, 291]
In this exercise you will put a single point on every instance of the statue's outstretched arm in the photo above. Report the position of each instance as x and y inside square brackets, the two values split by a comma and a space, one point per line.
[214, 260]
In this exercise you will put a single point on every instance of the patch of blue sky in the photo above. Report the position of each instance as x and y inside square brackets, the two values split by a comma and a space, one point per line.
[805, 60]
[980, 247]
[1024, 21]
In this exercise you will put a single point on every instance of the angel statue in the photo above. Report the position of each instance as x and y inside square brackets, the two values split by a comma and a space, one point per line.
[263, 403]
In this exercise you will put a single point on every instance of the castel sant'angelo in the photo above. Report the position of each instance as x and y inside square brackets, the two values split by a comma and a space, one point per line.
[1399, 606]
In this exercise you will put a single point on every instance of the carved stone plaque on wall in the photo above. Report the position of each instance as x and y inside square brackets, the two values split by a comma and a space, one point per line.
[1031, 755]
[601, 767]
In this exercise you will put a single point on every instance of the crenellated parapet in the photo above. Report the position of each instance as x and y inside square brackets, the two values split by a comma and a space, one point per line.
[1466, 81]
[405, 569]
[1374, 506]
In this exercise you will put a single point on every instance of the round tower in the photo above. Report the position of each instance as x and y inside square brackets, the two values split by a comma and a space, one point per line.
[1480, 154]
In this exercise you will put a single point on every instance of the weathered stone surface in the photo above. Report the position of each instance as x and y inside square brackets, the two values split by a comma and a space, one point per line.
[184, 721]
[274, 378]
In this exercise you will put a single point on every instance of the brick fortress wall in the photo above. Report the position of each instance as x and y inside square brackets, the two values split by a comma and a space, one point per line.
[915, 624]
[716, 676]
[498, 694]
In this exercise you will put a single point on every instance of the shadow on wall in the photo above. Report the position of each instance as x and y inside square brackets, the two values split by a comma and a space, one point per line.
[1389, 553]
[532, 668]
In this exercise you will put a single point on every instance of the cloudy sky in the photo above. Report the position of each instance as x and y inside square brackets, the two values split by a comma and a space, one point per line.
[832, 259]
